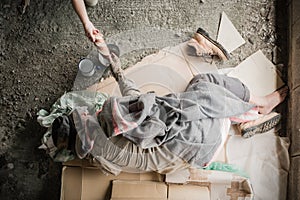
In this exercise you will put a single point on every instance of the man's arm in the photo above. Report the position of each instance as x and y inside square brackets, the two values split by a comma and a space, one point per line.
[88, 26]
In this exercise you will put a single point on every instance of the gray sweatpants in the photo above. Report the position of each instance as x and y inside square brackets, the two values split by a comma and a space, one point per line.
[234, 85]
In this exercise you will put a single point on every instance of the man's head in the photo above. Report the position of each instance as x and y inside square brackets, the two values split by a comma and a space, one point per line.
[64, 137]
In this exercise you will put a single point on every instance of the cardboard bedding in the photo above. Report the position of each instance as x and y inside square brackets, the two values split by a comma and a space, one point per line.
[263, 157]
[175, 63]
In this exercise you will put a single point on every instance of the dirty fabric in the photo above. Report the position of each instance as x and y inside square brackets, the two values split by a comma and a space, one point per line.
[65, 105]
[68, 102]
[117, 154]
[187, 123]
[165, 133]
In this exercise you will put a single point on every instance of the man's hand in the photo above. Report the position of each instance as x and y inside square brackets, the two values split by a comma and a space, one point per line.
[101, 45]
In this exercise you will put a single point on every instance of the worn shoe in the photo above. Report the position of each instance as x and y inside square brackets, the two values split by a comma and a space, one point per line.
[206, 46]
[91, 3]
[260, 125]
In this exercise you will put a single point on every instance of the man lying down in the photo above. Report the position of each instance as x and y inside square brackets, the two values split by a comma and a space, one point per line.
[145, 132]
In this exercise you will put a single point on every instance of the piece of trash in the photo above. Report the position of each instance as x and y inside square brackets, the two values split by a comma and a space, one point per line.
[178, 34]
[25, 4]
[86, 67]
[10, 166]
[228, 35]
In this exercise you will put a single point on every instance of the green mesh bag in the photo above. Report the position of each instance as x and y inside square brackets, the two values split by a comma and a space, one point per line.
[227, 168]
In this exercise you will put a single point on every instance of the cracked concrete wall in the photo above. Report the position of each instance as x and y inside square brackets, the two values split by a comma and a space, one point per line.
[294, 108]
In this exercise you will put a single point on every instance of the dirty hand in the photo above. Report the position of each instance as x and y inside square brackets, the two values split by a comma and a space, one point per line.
[91, 31]
[101, 45]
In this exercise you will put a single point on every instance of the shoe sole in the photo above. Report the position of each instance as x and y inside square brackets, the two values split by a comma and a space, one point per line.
[261, 128]
[218, 45]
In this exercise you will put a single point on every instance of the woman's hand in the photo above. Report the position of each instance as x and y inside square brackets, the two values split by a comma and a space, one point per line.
[91, 31]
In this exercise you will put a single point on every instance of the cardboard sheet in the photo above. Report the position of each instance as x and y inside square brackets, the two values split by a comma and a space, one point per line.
[222, 185]
[228, 36]
[265, 159]
[264, 156]
[258, 74]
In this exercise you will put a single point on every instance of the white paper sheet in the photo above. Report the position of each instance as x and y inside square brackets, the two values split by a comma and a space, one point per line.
[228, 35]
[258, 74]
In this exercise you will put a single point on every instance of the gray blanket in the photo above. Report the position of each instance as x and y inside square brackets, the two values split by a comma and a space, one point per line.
[187, 123]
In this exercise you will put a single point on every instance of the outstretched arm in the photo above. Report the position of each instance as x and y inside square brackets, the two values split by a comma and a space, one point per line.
[88, 26]
[127, 86]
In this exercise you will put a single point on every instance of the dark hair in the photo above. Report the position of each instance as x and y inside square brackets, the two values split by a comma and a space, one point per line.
[64, 132]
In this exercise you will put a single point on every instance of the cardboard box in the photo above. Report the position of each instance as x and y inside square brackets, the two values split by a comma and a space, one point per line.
[91, 184]
[88, 183]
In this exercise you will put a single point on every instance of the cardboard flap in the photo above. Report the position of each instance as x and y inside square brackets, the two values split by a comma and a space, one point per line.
[138, 190]
[258, 74]
[228, 35]
[71, 183]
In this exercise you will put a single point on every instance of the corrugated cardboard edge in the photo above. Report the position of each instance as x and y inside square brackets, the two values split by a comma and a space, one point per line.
[152, 190]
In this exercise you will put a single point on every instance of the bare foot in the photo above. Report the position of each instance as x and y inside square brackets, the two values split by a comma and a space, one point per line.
[272, 100]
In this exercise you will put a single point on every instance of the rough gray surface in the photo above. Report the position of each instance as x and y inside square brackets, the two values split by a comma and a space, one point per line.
[40, 49]
[294, 179]
[293, 127]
